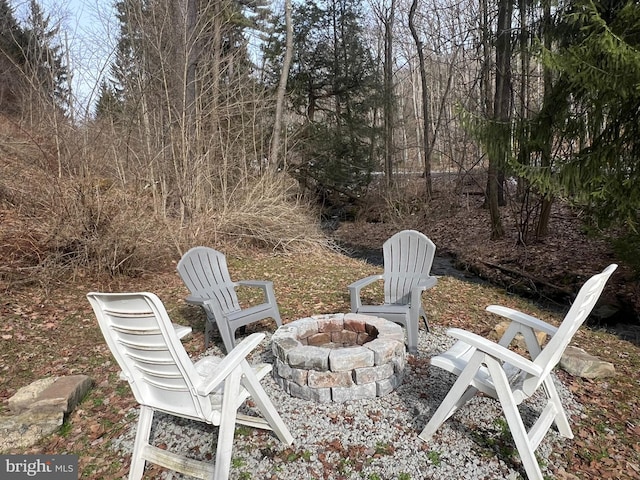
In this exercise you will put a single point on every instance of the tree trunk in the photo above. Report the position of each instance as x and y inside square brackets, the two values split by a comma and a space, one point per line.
[542, 228]
[502, 117]
[427, 136]
[388, 92]
[282, 88]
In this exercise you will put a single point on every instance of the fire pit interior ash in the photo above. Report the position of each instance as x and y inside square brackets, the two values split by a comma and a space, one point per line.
[339, 357]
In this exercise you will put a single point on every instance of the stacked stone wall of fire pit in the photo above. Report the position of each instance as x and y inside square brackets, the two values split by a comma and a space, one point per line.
[339, 357]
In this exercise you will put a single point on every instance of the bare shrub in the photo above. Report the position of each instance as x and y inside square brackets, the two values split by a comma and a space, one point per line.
[58, 227]
[105, 229]
[264, 212]
[392, 204]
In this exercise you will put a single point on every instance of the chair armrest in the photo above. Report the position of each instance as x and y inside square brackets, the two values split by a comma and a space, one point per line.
[523, 319]
[497, 351]
[182, 331]
[423, 285]
[229, 363]
[193, 300]
[356, 287]
[264, 284]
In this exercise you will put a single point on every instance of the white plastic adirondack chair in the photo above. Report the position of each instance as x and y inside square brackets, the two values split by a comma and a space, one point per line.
[163, 378]
[493, 369]
[408, 256]
[204, 271]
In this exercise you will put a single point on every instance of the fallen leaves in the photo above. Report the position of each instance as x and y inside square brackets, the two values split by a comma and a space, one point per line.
[58, 334]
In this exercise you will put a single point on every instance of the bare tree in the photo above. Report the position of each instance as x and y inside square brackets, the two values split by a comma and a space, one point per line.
[427, 133]
[389, 104]
[282, 86]
[501, 117]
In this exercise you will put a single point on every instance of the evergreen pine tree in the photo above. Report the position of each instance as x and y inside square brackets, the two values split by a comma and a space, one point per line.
[12, 46]
[593, 109]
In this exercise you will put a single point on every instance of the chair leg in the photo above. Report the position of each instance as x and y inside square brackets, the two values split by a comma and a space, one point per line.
[264, 404]
[461, 392]
[227, 426]
[426, 323]
[518, 431]
[207, 331]
[276, 316]
[412, 335]
[228, 335]
[412, 330]
[561, 420]
[143, 432]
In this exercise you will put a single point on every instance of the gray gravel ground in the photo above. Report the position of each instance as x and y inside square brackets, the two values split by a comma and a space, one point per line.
[375, 439]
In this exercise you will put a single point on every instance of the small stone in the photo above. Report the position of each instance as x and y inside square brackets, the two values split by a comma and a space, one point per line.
[299, 376]
[387, 385]
[384, 350]
[363, 338]
[355, 323]
[330, 324]
[373, 374]
[281, 346]
[282, 369]
[321, 395]
[318, 339]
[344, 337]
[306, 327]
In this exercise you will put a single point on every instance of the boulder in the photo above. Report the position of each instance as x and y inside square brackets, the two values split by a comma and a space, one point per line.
[38, 409]
[53, 394]
[579, 363]
[25, 429]
[500, 328]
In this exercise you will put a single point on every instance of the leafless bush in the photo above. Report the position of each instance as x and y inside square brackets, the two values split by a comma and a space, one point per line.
[264, 211]
[383, 203]
[56, 227]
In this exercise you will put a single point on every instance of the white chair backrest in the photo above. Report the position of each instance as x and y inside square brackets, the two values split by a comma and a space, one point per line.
[408, 256]
[586, 299]
[142, 339]
[205, 273]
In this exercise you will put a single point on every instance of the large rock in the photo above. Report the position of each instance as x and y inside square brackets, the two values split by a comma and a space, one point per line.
[498, 331]
[38, 409]
[25, 429]
[55, 394]
[579, 363]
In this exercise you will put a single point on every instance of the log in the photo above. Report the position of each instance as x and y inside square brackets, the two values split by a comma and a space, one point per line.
[532, 278]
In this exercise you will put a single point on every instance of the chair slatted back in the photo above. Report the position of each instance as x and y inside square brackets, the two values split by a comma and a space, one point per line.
[580, 310]
[408, 256]
[142, 339]
[206, 275]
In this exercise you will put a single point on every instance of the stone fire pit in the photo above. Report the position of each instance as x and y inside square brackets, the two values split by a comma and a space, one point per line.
[339, 357]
